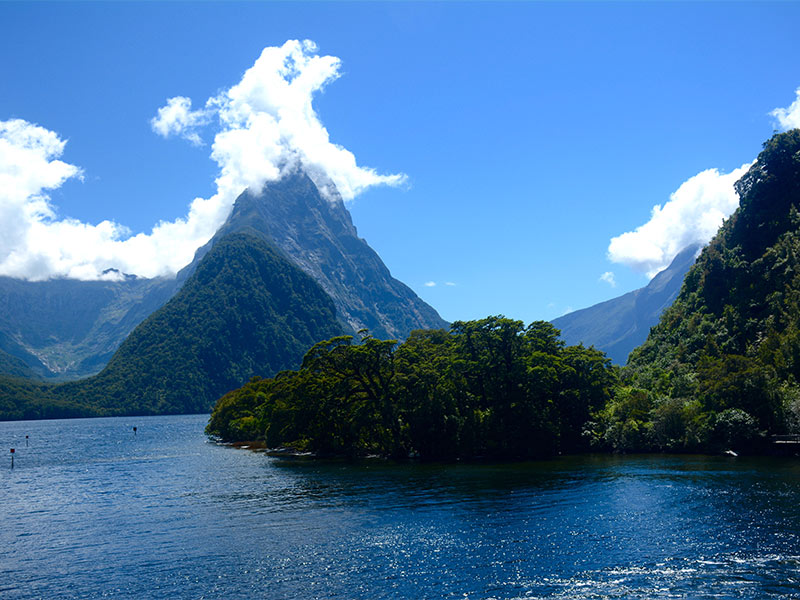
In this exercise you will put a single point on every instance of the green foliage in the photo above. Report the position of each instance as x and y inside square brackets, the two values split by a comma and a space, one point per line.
[23, 399]
[487, 388]
[625, 423]
[728, 349]
[14, 367]
[736, 428]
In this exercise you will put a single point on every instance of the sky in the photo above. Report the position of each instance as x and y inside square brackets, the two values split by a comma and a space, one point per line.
[524, 159]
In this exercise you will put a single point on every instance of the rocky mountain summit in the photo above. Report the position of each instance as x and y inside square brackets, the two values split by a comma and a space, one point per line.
[318, 235]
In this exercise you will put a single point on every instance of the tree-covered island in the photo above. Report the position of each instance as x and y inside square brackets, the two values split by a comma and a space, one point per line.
[488, 388]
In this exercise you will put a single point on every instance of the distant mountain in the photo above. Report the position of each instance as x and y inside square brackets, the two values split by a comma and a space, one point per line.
[619, 325]
[65, 329]
[318, 235]
[246, 310]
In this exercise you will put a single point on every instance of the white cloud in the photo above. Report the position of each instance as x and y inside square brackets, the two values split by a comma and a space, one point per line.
[268, 126]
[693, 215]
[449, 283]
[608, 277]
[35, 244]
[788, 118]
[430, 284]
[178, 118]
[265, 127]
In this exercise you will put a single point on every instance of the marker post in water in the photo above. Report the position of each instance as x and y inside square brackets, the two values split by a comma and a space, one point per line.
[134, 431]
[12, 458]
[26, 441]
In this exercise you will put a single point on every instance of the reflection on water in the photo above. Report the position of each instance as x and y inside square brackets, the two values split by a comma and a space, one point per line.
[92, 510]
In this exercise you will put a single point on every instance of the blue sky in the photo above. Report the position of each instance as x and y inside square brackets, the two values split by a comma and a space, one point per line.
[530, 134]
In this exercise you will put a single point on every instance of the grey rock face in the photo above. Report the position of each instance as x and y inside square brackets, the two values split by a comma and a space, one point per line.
[318, 235]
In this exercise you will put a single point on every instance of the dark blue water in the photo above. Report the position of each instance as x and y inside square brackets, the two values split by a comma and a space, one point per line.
[92, 511]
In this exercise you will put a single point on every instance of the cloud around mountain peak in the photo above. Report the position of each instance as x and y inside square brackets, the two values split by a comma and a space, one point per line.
[789, 117]
[266, 124]
[264, 127]
[692, 215]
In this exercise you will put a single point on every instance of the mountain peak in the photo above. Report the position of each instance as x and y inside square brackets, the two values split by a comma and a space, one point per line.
[119, 275]
[316, 232]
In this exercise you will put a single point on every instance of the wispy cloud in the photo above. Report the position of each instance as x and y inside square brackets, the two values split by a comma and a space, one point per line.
[608, 277]
[788, 118]
[450, 283]
[263, 127]
[692, 215]
[429, 284]
[178, 118]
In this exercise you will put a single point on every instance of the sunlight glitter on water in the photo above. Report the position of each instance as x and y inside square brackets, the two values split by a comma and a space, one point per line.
[91, 511]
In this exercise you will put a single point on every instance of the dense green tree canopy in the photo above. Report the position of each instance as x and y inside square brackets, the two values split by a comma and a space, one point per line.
[487, 388]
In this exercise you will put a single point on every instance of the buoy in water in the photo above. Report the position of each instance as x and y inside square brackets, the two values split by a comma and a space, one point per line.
[134, 431]
[12, 458]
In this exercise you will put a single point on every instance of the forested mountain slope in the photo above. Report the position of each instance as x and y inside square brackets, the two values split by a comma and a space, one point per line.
[723, 363]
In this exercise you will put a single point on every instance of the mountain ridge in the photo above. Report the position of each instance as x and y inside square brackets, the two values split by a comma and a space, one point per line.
[619, 325]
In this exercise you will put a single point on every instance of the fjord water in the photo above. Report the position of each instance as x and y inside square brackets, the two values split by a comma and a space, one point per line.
[91, 510]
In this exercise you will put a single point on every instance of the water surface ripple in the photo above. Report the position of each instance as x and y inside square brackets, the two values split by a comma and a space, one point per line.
[93, 511]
